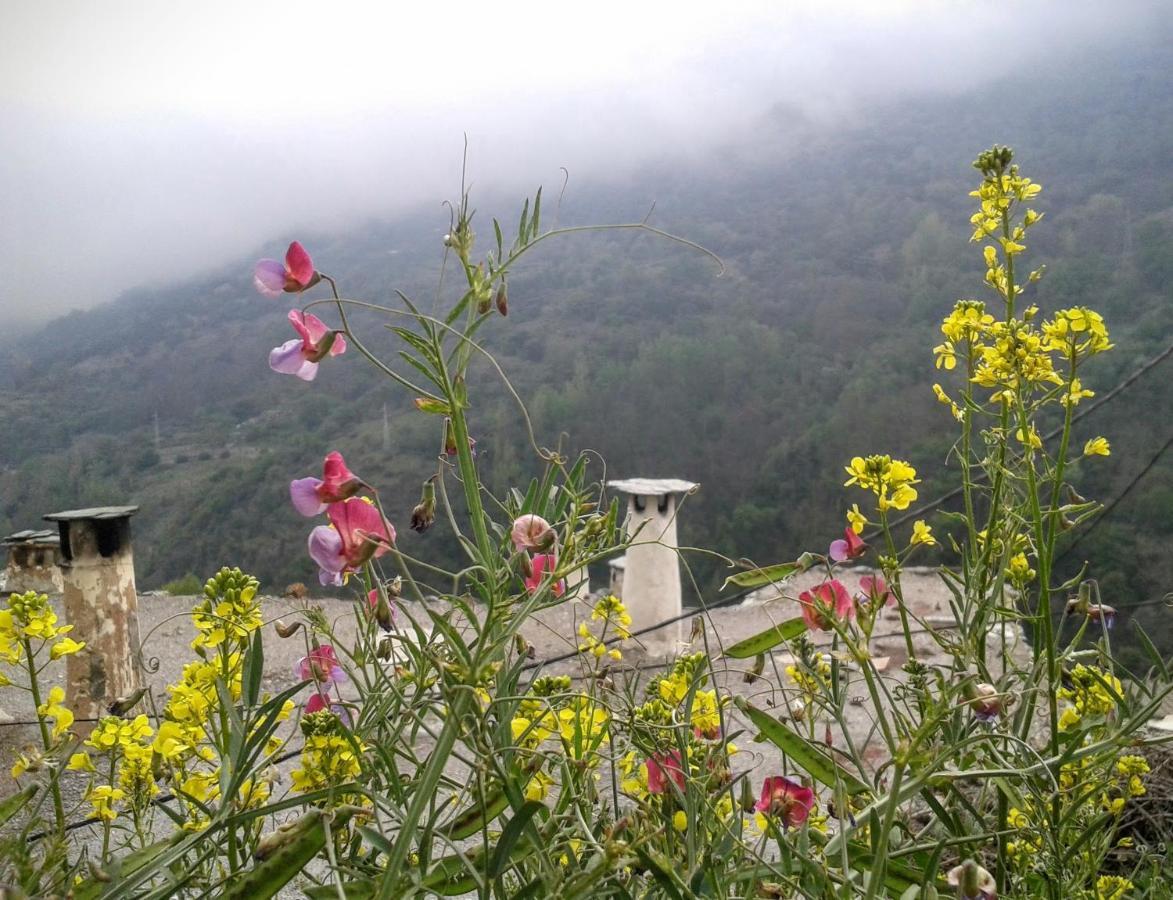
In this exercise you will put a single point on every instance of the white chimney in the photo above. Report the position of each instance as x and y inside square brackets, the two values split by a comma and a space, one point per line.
[651, 575]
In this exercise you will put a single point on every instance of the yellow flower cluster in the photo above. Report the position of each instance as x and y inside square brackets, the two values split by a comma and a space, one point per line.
[127, 743]
[1112, 887]
[30, 616]
[1019, 571]
[995, 195]
[329, 757]
[616, 624]
[1133, 768]
[1077, 331]
[1029, 841]
[1015, 355]
[1093, 693]
[230, 611]
[583, 725]
[889, 479]
[813, 680]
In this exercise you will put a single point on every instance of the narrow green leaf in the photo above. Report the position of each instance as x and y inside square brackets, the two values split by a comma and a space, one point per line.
[354, 890]
[533, 225]
[254, 666]
[764, 640]
[375, 839]
[817, 763]
[661, 870]
[10, 806]
[500, 242]
[509, 835]
[1152, 652]
[521, 228]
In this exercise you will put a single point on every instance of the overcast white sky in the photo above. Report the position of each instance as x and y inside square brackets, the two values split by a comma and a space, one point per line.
[146, 140]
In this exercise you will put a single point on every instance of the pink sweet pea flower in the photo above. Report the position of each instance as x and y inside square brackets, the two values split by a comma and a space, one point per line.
[359, 533]
[543, 562]
[300, 356]
[785, 799]
[873, 591]
[273, 278]
[532, 532]
[826, 603]
[850, 547]
[311, 496]
[321, 666]
[662, 767]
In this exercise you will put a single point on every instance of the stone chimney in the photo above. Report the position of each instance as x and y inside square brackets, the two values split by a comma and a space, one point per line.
[651, 575]
[97, 567]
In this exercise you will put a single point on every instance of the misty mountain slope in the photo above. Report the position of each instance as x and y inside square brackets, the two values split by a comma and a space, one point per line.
[844, 244]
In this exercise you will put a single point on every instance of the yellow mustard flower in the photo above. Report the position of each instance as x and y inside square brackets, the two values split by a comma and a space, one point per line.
[55, 709]
[856, 520]
[922, 533]
[1097, 446]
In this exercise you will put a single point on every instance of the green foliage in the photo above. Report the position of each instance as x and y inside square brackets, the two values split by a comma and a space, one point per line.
[188, 585]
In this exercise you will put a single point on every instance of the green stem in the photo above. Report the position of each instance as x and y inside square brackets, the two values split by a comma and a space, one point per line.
[46, 743]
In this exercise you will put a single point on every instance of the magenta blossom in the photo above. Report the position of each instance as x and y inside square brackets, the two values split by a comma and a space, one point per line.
[532, 532]
[273, 278]
[359, 533]
[300, 356]
[311, 496]
[850, 547]
[321, 667]
[319, 702]
[542, 563]
[786, 800]
[874, 592]
[663, 767]
[826, 603]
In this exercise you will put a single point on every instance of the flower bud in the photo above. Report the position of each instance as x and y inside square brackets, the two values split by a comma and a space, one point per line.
[973, 882]
[532, 532]
[502, 300]
[286, 631]
[383, 651]
[424, 514]
[984, 701]
[123, 705]
[755, 671]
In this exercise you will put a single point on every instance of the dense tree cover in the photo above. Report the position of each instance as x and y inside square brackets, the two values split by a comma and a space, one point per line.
[845, 245]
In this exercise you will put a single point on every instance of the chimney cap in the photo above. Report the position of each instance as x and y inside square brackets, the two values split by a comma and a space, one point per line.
[94, 512]
[653, 487]
[33, 538]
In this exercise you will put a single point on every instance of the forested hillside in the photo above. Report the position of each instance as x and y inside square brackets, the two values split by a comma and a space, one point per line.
[845, 244]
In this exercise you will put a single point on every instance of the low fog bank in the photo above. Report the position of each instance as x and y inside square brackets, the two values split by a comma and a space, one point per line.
[129, 175]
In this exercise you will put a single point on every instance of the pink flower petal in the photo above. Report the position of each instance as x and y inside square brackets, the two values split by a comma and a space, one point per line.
[838, 551]
[304, 494]
[297, 320]
[339, 346]
[269, 277]
[325, 548]
[288, 359]
[531, 532]
[315, 328]
[299, 264]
